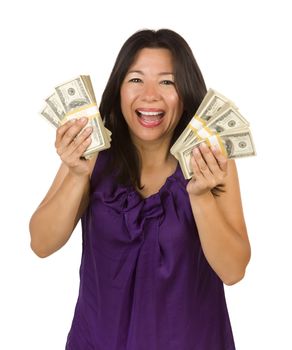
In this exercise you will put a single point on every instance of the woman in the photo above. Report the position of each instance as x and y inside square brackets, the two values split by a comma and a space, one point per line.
[156, 248]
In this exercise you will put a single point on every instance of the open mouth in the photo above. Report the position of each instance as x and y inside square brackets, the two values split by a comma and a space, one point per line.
[150, 118]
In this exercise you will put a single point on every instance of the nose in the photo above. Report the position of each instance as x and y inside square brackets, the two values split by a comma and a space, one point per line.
[151, 92]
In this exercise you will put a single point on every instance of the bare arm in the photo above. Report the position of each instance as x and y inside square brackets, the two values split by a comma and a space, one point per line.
[220, 220]
[53, 222]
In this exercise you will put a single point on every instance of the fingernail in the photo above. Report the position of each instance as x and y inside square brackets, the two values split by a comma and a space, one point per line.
[203, 145]
[89, 129]
[83, 119]
[196, 150]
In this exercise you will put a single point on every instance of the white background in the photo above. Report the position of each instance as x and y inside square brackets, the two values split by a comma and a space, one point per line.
[244, 51]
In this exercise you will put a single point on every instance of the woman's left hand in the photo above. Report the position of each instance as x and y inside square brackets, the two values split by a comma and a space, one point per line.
[209, 167]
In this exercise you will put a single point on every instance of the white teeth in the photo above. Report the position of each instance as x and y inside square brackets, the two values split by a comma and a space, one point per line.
[150, 113]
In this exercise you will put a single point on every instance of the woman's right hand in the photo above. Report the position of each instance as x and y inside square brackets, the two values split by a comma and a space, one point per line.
[57, 215]
[71, 144]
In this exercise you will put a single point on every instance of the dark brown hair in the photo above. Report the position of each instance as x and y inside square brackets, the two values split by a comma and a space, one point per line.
[189, 84]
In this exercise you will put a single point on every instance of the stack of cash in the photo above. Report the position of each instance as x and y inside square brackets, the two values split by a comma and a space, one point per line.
[218, 123]
[73, 100]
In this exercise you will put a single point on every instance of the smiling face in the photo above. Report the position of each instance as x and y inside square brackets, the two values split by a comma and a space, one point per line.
[149, 99]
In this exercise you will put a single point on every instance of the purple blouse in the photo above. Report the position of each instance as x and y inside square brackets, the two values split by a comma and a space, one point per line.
[144, 281]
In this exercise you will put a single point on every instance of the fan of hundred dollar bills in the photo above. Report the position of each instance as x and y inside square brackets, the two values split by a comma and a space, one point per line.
[75, 99]
[218, 123]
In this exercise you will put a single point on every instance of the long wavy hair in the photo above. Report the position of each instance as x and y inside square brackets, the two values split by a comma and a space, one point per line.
[190, 85]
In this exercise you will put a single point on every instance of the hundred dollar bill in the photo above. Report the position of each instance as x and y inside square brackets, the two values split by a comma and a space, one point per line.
[100, 136]
[73, 94]
[227, 118]
[50, 116]
[87, 82]
[235, 144]
[55, 105]
[238, 143]
[78, 100]
[211, 104]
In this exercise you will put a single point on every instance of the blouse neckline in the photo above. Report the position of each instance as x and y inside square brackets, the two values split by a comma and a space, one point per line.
[169, 179]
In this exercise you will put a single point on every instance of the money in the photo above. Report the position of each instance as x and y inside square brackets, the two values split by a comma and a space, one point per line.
[51, 116]
[226, 119]
[75, 99]
[53, 102]
[218, 123]
[73, 94]
[212, 103]
[235, 144]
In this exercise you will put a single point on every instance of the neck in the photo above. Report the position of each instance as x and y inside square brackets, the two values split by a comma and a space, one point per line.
[153, 154]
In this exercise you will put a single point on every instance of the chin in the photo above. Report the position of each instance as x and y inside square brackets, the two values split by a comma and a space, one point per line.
[151, 137]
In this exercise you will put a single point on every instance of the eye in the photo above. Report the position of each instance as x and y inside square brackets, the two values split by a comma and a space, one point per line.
[135, 80]
[167, 82]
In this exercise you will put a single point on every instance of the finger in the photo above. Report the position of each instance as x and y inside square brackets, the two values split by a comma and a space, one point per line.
[65, 138]
[197, 174]
[75, 129]
[220, 158]
[203, 166]
[79, 144]
[210, 159]
[80, 140]
[74, 159]
[63, 129]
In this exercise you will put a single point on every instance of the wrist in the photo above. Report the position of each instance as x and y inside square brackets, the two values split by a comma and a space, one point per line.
[78, 177]
[202, 197]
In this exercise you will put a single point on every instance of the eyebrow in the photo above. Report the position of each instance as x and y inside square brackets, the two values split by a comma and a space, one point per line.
[140, 72]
